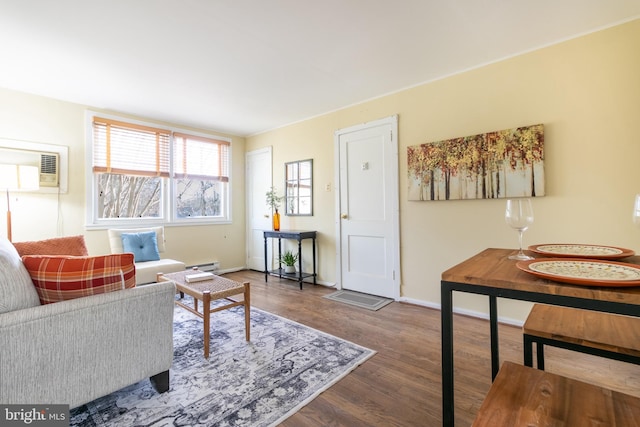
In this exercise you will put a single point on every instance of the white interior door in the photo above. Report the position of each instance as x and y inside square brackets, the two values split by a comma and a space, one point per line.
[258, 182]
[368, 248]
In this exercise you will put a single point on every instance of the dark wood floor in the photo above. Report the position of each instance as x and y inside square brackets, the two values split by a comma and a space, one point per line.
[401, 384]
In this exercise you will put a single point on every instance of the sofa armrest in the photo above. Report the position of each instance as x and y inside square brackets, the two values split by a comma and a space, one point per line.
[75, 351]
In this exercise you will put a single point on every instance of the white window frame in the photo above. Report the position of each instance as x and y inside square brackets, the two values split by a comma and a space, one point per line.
[168, 216]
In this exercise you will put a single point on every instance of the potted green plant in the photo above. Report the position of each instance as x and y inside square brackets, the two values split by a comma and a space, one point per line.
[289, 260]
[273, 201]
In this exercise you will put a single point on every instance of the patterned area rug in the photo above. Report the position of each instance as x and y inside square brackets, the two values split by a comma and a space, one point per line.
[256, 383]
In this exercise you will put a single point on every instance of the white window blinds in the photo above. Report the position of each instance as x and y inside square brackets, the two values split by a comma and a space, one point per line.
[196, 157]
[130, 149]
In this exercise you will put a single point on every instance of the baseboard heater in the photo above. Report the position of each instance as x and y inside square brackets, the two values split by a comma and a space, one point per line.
[209, 267]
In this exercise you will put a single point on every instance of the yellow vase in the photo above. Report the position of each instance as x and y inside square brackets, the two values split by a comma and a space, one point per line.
[276, 221]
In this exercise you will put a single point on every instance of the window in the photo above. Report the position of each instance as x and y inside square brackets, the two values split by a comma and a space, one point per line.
[143, 173]
[201, 171]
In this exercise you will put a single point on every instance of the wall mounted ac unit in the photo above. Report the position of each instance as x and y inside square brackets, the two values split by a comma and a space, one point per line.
[52, 160]
[49, 166]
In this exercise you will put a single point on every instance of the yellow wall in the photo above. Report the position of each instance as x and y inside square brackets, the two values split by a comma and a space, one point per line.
[585, 91]
[38, 216]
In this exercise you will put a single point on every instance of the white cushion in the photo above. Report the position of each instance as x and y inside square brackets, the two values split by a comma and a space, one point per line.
[115, 237]
[147, 271]
[16, 288]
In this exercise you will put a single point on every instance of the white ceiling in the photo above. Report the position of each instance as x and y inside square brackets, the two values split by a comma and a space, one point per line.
[246, 66]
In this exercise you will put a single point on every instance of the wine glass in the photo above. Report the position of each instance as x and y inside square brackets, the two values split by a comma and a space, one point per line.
[519, 216]
[636, 211]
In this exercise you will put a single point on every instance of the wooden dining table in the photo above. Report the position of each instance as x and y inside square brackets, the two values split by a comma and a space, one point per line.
[493, 274]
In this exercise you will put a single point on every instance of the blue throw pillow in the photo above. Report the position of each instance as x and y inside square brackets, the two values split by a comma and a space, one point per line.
[144, 246]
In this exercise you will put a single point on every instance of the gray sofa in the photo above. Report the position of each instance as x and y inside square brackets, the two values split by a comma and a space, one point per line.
[72, 352]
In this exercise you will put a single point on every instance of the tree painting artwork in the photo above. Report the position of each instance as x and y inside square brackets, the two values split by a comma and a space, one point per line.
[493, 165]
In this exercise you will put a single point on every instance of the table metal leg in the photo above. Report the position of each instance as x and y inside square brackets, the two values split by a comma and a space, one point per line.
[527, 344]
[279, 257]
[540, 355]
[313, 243]
[495, 351]
[300, 262]
[266, 266]
[447, 355]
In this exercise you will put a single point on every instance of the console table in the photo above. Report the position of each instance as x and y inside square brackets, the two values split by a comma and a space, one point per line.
[293, 235]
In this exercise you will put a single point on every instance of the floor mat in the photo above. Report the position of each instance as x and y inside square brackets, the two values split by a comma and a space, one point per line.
[371, 302]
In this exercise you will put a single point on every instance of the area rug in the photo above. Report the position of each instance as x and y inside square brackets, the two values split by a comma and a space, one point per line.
[359, 299]
[256, 383]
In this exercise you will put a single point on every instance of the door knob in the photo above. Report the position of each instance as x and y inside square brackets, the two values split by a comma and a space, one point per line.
[266, 216]
[343, 216]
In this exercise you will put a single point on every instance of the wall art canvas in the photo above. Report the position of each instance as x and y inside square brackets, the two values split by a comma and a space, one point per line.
[493, 165]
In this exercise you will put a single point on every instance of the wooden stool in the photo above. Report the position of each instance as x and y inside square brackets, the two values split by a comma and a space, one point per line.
[601, 334]
[522, 396]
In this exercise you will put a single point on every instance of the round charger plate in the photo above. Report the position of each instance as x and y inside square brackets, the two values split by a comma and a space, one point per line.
[586, 272]
[562, 250]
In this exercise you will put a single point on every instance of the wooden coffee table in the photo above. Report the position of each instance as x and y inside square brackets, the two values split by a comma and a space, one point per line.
[210, 290]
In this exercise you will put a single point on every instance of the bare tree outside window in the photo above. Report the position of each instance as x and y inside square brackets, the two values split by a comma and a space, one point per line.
[198, 198]
[128, 196]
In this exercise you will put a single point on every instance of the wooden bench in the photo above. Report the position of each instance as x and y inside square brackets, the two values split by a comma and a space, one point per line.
[523, 396]
[601, 334]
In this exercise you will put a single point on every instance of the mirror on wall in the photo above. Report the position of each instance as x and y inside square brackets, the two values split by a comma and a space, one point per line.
[299, 187]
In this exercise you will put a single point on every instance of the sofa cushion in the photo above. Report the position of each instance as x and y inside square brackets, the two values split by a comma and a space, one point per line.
[144, 246]
[68, 245]
[16, 288]
[115, 239]
[147, 272]
[62, 278]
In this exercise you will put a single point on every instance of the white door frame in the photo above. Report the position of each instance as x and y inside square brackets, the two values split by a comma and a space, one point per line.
[394, 199]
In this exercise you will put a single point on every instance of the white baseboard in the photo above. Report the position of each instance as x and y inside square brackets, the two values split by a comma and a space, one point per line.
[305, 280]
[470, 313]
